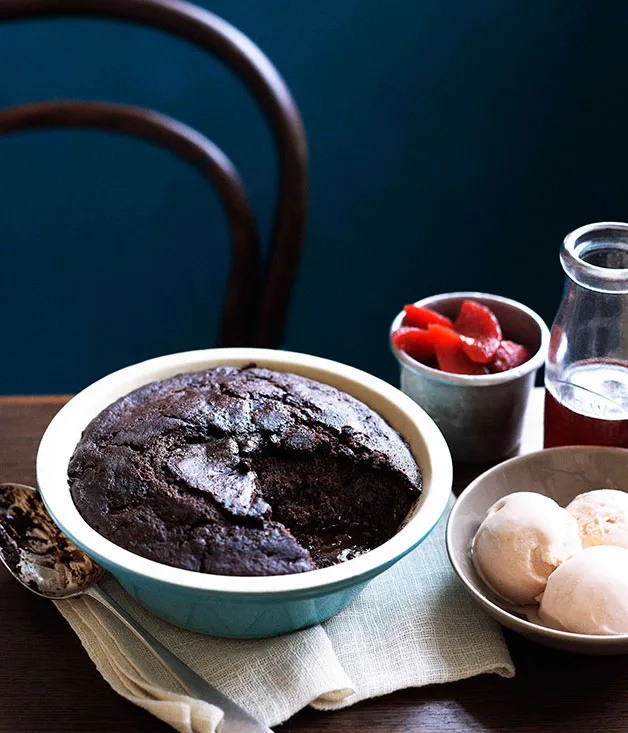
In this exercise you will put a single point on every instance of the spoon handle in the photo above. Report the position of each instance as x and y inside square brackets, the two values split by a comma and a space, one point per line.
[236, 720]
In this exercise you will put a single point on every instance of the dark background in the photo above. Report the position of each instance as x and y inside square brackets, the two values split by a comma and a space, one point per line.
[452, 144]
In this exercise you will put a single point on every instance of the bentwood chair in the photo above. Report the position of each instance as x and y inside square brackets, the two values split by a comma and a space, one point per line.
[252, 288]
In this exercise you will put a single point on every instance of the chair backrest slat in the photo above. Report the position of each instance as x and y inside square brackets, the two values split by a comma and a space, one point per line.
[253, 67]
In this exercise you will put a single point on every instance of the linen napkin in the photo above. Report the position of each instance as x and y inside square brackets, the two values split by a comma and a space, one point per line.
[413, 625]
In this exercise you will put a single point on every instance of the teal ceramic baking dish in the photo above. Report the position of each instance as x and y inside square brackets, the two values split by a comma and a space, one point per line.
[244, 607]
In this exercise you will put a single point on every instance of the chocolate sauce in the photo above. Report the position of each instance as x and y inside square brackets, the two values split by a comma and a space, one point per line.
[36, 551]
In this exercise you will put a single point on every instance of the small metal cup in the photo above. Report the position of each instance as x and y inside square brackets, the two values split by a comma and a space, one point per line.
[481, 417]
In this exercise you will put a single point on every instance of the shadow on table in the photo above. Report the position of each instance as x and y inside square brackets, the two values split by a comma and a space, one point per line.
[465, 473]
[552, 690]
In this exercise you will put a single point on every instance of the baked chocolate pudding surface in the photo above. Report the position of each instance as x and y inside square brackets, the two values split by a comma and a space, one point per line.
[243, 471]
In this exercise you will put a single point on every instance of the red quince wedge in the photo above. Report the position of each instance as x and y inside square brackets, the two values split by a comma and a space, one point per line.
[422, 317]
[416, 342]
[508, 356]
[480, 331]
[450, 355]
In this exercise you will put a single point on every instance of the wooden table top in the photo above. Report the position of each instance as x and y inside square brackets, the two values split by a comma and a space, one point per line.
[49, 684]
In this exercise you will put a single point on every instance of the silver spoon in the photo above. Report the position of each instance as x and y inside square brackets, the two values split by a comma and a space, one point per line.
[42, 558]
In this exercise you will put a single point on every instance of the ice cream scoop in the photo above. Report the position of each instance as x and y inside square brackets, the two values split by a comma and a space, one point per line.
[588, 594]
[523, 539]
[602, 517]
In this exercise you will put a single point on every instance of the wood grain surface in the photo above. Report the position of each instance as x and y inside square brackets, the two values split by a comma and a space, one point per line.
[49, 684]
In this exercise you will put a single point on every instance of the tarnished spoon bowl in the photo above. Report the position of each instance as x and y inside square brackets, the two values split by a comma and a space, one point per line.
[41, 557]
[36, 552]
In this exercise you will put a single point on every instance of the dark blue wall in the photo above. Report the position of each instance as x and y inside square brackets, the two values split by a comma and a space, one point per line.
[452, 144]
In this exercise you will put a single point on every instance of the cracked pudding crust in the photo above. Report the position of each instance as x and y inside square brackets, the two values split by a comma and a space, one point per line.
[243, 471]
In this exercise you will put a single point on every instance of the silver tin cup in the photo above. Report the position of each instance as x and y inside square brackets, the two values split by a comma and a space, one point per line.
[482, 416]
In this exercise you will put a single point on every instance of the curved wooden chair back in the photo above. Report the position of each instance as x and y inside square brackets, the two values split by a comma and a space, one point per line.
[256, 302]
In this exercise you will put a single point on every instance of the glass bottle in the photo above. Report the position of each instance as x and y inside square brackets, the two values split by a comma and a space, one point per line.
[586, 374]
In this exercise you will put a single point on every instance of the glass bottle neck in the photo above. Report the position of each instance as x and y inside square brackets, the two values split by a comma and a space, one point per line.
[596, 257]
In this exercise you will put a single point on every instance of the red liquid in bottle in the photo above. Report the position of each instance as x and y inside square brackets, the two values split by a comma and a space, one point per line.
[581, 416]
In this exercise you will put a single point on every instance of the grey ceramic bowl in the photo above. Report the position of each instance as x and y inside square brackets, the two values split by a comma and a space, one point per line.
[481, 417]
[561, 474]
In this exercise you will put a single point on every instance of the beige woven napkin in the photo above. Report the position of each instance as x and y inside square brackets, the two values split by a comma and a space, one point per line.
[414, 625]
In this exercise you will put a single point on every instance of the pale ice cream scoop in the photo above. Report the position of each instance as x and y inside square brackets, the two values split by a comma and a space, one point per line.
[588, 594]
[523, 539]
[602, 517]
